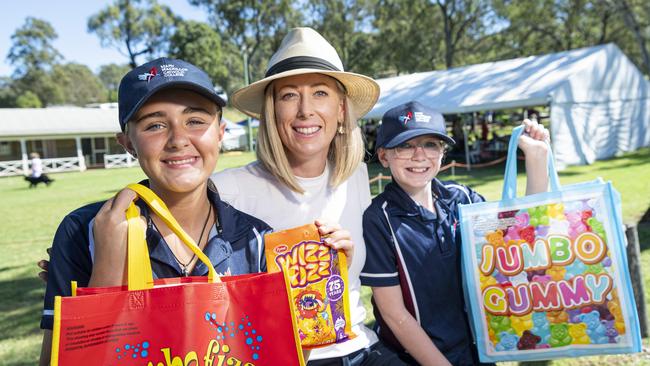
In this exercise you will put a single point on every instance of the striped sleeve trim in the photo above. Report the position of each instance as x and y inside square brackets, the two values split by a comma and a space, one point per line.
[259, 249]
[379, 275]
[462, 189]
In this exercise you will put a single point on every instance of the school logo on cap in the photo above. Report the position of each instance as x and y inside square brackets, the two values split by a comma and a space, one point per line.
[421, 117]
[171, 70]
[405, 118]
[148, 75]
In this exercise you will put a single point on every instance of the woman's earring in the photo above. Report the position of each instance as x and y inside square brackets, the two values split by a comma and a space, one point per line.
[134, 154]
[341, 130]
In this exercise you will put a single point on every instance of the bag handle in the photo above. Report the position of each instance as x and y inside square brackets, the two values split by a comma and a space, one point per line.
[510, 177]
[139, 272]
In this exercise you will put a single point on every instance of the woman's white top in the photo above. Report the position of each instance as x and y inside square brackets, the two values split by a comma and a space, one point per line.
[252, 189]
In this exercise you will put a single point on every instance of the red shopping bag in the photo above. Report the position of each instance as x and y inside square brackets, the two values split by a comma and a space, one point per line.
[198, 321]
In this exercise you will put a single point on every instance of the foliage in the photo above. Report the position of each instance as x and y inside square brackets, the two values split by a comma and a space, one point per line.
[255, 28]
[343, 22]
[190, 42]
[111, 75]
[79, 86]
[32, 47]
[378, 38]
[7, 93]
[28, 100]
[134, 27]
[41, 83]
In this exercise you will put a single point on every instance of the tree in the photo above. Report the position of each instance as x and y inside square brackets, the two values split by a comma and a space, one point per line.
[254, 27]
[635, 27]
[41, 83]
[78, 85]
[28, 100]
[200, 45]
[111, 75]
[134, 27]
[32, 47]
[343, 24]
[7, 93]
[463, 26]
[404, 45]
[539, 27]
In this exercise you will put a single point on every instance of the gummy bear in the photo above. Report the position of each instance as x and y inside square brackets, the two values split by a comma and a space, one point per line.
[528, 234]
[595, 268]
[500, 324]
[575, 268]
[559, 335]
[616, 311]
[595, 328]
[495, 238]
[543, 279]
[538, 216]
[556, 272]
[508, 342]
[611, 334]
[604, 312]
[541, 326]
[556, 211]
[558, 316]
[597, 227]
[578, 333]
[528, 340]
[486, 281]
[521, 323]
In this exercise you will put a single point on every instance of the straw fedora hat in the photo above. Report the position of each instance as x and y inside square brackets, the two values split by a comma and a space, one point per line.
[304, 51]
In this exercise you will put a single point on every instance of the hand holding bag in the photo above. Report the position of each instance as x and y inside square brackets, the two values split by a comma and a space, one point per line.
[546, 275]
[210, 321]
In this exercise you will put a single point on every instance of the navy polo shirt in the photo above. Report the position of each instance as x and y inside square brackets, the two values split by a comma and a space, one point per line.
[419, 250]
[235, 246]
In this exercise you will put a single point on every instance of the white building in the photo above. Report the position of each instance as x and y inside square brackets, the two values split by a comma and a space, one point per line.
[67, 138]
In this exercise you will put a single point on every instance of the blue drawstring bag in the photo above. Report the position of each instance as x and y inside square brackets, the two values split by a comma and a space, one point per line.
[546, 275]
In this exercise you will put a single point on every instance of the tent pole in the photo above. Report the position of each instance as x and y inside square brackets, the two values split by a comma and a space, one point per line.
[469, 168]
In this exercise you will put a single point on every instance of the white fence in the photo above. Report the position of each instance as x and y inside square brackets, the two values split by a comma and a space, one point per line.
[119, 161]
[11, 167]
[15, 167]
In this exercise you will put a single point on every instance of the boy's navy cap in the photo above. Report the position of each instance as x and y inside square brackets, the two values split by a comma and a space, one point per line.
[410, 120]
[139, 84]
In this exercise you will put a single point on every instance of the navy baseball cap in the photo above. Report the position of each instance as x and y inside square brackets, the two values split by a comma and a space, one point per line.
[139, 84]
[410, 120]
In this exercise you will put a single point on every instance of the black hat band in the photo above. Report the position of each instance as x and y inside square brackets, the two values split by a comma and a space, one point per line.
[300, 62]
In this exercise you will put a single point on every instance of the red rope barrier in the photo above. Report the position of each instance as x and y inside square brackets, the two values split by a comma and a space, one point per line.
[450, 165]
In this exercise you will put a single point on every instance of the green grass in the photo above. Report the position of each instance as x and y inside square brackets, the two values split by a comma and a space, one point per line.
[29, 219]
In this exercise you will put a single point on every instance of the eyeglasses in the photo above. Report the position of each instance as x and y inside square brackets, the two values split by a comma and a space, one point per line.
[431, 149]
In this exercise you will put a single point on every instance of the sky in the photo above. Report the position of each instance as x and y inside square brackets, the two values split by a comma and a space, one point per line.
[69, 19]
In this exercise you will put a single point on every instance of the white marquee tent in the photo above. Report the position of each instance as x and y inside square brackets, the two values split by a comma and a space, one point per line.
[599, 100]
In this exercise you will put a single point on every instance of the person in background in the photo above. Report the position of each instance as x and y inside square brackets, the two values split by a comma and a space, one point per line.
[413, 238]
[36, 175]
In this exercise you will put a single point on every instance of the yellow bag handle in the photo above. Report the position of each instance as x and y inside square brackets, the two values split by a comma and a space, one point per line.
[140, 275]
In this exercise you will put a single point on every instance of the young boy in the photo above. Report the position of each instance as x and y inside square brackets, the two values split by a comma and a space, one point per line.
[413, 238]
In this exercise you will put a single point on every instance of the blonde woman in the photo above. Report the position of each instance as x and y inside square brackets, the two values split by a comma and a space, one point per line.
[309, 166]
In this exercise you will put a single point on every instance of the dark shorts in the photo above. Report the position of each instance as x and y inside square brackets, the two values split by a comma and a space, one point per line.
[376, 355]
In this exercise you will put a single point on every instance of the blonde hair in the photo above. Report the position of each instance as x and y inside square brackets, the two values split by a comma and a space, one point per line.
[345, 154]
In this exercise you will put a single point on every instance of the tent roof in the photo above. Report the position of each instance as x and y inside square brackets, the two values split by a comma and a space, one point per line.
[26, 122]
[522, 82]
